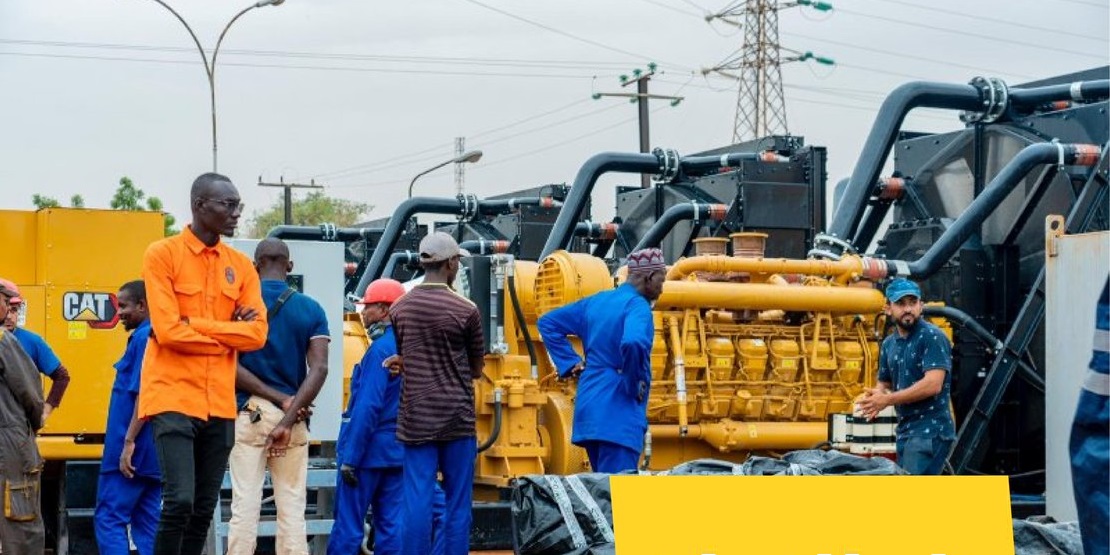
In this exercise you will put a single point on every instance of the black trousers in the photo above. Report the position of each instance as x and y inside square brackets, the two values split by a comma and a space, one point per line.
[192, 454]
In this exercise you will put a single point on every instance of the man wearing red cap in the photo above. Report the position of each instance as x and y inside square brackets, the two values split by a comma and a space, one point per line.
[40, 352]
[21, 530]
[616, 329]
[368, 452]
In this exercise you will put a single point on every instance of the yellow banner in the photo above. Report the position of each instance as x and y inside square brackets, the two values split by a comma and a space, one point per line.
[812, 515]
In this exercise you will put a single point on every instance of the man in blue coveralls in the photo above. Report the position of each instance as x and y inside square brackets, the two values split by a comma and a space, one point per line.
[368, 453]
[1090, 440]
[129, 491]
[616, 329]
[40, 352]
[915, 364]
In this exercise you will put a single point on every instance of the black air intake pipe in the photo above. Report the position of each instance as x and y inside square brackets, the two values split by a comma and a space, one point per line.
[678, 213]
[665, 163]
[984, 100]
[982, 334]
[467, 208]
[985, 204]
[325, 232]
[402, 258]
[485, 246]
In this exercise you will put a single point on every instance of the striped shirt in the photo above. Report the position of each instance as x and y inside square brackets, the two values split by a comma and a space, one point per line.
[438, 333]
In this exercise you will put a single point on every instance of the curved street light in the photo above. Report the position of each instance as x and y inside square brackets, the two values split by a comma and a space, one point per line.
[468, 157]
[210, 68]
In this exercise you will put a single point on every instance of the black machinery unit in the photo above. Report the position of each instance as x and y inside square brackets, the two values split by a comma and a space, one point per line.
[785, 200]
[998, 269]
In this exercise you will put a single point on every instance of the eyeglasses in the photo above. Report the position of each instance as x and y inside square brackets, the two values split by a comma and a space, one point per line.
[231, 204]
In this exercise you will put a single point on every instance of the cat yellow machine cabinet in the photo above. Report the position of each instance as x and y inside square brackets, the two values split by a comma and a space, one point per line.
[69, 264]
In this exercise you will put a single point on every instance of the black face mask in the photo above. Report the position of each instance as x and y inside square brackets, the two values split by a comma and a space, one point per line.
[376, 330]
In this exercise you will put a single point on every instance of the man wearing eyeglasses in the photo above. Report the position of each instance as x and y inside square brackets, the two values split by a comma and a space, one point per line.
[205, 303]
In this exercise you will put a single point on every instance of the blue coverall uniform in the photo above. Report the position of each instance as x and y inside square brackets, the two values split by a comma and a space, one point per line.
[368, 442]
[119, 500]
[610, 409]
[1090, 440]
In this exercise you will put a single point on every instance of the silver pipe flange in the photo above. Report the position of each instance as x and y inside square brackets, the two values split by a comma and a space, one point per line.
[669, 164]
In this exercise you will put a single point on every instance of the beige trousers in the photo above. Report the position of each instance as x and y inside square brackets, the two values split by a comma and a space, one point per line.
[248, 462]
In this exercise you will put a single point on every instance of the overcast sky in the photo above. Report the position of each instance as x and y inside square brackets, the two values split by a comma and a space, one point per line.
[363, 95]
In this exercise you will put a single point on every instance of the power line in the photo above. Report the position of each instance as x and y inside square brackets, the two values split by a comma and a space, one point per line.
[572, 36]
[530, 118]
[310, 67]
[699, 8]
[498, 62]
[899, 55]
[969, 34]
[375, 167]
[1092, 4]
[673, 9]
[994, 20]
[378, 165]
[549, 126]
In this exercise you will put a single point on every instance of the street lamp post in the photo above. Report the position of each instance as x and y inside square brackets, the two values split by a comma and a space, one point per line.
[469, 157]
[210, 68]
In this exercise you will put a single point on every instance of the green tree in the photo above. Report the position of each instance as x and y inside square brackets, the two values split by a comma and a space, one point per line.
[130, 197]
[127, 197]
[42, 201]
[316, 208]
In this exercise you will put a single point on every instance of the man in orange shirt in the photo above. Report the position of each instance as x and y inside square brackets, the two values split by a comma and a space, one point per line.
[205, 303]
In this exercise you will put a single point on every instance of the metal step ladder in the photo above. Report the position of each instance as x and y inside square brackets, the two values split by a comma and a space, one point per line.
[318, 514]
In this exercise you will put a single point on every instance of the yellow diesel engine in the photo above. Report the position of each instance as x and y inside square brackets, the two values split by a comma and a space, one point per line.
[750, 354]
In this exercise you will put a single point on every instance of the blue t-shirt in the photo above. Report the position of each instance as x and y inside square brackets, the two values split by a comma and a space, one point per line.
[125, 393]
[281, 363]
[368, 437]
[903, 362]
[35, 346]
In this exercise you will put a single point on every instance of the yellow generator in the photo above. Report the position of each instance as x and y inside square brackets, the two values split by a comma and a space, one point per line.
[751, 355]
[69, 264]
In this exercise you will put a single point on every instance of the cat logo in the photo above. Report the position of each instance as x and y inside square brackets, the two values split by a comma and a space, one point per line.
[99, 310]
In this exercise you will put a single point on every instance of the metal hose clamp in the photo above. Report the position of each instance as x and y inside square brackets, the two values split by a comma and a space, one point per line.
[669, 164]
[994, 105]
[329, 231]
[468, 207]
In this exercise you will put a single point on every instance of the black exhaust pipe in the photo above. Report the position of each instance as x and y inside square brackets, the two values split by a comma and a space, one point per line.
[678, 213]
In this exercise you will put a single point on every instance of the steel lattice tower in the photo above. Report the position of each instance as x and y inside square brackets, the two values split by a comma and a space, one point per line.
[760, 105]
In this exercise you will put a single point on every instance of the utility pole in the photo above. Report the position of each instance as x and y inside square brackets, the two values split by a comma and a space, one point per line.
[460, 170]
[289, 193]
[641, 97]
[760, 105]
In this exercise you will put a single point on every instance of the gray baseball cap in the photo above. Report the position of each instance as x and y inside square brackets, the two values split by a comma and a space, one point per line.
[439, 246]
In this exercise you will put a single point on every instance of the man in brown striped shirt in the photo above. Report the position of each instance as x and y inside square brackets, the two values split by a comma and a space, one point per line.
[441, 349]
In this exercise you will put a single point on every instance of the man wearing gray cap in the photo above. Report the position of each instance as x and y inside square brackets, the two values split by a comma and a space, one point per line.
[915, 364]
[21, 404]
[617, 330]
[440, 350]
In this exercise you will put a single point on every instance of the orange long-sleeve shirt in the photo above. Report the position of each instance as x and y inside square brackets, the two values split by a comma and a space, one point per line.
[192, 291]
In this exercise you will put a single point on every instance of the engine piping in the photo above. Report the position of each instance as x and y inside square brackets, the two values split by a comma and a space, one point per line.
[665, 163]
[678, 213]
[983, 100]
